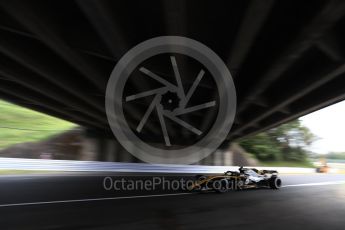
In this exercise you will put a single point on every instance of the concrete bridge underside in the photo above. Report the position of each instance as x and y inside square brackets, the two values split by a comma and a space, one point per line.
[287, 58]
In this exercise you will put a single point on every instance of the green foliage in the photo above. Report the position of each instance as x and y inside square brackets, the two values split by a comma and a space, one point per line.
[336, 156]
[261, 146]
[331, 155]
[303, 164]
[284, 143]
[18, 124]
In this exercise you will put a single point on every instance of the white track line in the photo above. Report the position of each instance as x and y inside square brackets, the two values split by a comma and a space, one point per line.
[94, 199]
[315, 184]
[148, 196]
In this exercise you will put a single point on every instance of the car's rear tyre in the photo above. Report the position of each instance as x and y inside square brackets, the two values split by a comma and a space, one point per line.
[221, 186]
[275, 183]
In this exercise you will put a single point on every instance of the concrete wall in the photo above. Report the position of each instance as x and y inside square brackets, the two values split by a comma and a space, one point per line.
[108, 149]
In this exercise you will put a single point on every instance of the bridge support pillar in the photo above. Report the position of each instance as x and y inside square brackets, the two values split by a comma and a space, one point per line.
[89, 149]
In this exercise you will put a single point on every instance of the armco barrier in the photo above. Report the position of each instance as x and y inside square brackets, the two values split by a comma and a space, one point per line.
[94, 166]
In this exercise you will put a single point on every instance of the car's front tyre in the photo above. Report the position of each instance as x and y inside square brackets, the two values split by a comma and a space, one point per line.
[275, 182]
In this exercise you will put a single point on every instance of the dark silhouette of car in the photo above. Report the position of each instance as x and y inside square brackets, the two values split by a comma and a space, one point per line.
[244, 178]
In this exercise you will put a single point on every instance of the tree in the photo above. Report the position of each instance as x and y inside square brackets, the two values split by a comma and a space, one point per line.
[286, 142]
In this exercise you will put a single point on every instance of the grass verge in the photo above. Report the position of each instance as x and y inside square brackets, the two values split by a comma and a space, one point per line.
[18, 125]
[23, 172]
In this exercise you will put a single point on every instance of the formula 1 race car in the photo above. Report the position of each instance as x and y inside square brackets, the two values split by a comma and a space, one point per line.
[244, 178]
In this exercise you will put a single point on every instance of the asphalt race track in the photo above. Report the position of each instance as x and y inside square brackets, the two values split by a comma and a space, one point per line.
[80, 202]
